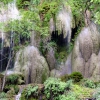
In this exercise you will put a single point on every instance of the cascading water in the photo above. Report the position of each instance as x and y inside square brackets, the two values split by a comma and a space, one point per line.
[11, 13]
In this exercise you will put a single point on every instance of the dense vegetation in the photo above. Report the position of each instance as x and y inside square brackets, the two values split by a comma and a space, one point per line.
[35, 16]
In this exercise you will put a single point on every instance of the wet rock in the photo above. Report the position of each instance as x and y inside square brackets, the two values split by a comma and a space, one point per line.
[32, 65]
[50, 56]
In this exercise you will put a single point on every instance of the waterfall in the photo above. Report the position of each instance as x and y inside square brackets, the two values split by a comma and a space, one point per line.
[17, 97]
[11, 13]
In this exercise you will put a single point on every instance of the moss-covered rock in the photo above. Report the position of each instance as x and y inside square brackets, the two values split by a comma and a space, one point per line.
[15, 79]
[76, 76]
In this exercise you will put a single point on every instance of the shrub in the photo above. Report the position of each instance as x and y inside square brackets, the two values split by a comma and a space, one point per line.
[13, 79]
[30, 91]
[97, 94]
[53, 88]
[82, 92]
[71, 96]
[2, 95]
[89, 83]
[76, 76]
[8, 87]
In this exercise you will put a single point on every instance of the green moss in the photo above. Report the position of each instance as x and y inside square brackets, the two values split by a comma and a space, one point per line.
[44, 76]
[76, 76]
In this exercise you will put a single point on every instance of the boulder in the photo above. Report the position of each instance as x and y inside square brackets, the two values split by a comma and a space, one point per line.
[32, 65]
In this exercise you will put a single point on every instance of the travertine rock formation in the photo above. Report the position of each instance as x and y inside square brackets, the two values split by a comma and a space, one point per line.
[32, 65]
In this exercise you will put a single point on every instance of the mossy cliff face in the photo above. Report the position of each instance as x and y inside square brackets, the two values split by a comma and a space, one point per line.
[33, 66]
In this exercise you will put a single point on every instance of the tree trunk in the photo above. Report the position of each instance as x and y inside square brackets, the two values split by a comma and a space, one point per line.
[4, 78]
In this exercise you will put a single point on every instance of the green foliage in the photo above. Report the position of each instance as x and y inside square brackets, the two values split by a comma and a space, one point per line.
[13, 79]
[44, 47]
[71, 96]
[44, 76]
[82, 92]
[16, 88]
[49, 9]
[30, 91]
[9, 87]
[89, 83]
[61, 54]
[2, 95]
[97, 94]
[76, 76]
[20, 28]
[78, 8]
[6, 1]
[53, 88]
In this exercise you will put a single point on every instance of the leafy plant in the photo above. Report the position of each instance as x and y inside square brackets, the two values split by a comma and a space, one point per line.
[14, 79]
[71, 96]
[6, 1]
[30, 91]
[82, 92]
[2, 95]
[97, 94]
[9, 87]
[89, 83]
[53, 88]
